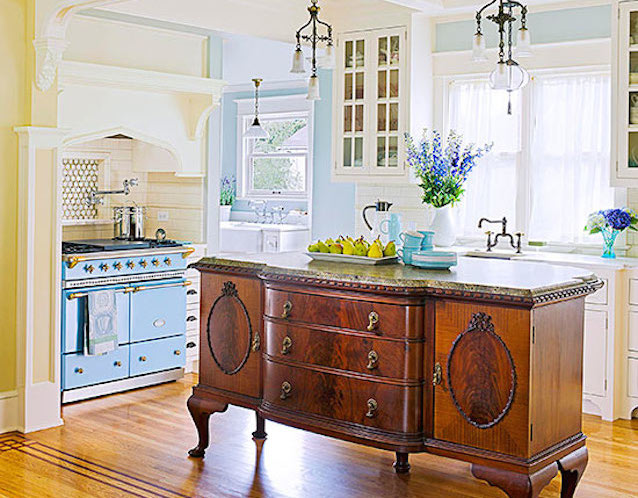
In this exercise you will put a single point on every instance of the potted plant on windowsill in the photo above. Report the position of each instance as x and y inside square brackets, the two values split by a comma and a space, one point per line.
[227, 196]
[611, 223]
[442, 172]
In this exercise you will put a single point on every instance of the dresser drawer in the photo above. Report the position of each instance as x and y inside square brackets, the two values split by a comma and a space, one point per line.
[79, 370]
[368, 403]
[381, 319]
[161, 354]
[357, 353]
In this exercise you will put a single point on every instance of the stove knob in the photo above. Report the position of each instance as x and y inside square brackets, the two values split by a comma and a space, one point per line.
[89, 268]
[130, 264]
[143, 263]
[117, 266]
[167, 261]
[155, 262]
[104, 267]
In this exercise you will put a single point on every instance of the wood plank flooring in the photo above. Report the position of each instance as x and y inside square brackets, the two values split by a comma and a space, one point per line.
[134, 444]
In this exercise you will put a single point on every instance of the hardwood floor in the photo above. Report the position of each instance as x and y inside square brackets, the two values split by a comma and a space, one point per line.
[135, 444]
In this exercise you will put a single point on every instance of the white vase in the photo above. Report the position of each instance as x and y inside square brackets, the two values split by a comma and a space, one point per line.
[443, 227]
[224, 213]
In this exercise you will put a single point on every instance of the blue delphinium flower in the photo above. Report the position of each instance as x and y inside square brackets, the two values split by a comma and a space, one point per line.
[442, 170]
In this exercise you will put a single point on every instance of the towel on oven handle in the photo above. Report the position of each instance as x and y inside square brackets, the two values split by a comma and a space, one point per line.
[100, 323]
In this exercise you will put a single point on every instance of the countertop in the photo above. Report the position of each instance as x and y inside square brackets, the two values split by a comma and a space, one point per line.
[518, 278]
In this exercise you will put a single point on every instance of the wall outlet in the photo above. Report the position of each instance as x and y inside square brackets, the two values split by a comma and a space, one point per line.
[162, 216]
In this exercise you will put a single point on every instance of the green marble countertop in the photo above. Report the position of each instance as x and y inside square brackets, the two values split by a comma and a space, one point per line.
[497, 277]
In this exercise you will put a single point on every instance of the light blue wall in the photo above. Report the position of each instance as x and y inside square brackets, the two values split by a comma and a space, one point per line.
[333, 203]
[582, 23]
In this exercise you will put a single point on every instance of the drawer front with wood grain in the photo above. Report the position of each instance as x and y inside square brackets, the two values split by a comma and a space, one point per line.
[359, 353]
[381, 319]
[368, 403]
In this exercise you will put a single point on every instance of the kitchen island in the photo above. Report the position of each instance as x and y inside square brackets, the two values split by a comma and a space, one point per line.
[482, 363]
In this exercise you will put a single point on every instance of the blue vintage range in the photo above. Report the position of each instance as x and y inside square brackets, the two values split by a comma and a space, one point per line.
[147, 278]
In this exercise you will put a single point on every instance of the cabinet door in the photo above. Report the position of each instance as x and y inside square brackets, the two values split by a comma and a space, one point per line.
[595, 353]
[230, 333]
[158, 312]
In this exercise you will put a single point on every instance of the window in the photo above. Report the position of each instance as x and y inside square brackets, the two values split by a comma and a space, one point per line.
[549, 167]
[278, 166]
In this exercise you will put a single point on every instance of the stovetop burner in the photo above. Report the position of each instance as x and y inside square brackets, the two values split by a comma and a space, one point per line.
[101, 245]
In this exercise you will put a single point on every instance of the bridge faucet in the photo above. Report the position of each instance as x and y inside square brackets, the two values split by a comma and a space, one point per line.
[503, 233]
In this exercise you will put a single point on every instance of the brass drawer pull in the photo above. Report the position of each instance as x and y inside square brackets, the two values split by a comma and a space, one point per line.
[374, 320]
[373, 360]
[177, 352]
[437, 376]
[285, 390]
[286, 345]
[372, 408]
[287, 309]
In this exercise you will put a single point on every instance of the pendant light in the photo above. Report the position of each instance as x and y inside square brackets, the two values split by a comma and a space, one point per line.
[255, 130]
[326, 61]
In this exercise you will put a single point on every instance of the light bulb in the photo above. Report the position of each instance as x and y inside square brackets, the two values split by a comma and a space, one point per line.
[478, 48]
[523, 43]
[313, 88]
[297, 62]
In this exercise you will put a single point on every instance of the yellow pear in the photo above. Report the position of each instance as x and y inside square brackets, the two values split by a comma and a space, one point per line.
[322, 247]
[313, 247]
[348, 247]
[336, 248]
[375, 251]
[390, 249]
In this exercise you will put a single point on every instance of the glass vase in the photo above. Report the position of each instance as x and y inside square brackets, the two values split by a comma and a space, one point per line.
[609, 238]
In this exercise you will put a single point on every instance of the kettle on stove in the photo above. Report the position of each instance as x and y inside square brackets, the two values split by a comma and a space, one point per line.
[381, 213]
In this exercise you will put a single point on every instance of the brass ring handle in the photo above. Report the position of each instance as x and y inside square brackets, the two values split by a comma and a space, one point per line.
[437, 376]
[142, 358]
[285, 390]
[79, 371]
[372, 408]
[286, 345]
[373, 360]
[373, 318]
[287, 309]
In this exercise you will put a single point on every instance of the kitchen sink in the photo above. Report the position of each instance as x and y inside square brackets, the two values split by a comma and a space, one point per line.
[493, 254]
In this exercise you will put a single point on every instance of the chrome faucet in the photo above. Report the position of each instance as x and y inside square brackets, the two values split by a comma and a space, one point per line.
[97, 196]
[503, 233]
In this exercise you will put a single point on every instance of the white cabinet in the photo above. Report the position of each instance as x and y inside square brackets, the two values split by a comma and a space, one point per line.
[595, 353]
[632, 379]
[371, 101]
[192, 310]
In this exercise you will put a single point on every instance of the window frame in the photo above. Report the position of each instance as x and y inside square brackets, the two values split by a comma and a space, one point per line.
[523, 162]
[271, 108]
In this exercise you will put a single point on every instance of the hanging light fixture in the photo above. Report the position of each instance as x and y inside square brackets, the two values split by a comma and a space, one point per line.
[328, 59]
[508, 75]
[255, 130]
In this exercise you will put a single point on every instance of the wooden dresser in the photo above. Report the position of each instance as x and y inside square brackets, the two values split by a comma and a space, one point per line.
[483, 364]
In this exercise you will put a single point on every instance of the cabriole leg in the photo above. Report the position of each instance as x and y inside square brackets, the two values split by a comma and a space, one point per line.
[515, 484]
[201, 410]
[571, 468]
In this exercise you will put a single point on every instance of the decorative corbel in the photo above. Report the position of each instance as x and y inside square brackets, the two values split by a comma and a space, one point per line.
[48, 54]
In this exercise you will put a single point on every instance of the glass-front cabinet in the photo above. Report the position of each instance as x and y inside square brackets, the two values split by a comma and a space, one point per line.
[370, 105]
[625, 98]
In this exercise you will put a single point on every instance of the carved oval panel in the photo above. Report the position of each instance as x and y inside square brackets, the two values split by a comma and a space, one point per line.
[229, 331]
[481, 374]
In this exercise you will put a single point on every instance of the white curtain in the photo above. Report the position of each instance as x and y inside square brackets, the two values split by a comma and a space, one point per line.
[570, 155]
[479, 114]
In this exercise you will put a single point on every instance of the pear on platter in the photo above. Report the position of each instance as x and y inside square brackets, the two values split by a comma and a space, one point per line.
[375, 251]
[390, 249]
[323, 247]
[314, 247]
[336, 248]
[348, 247]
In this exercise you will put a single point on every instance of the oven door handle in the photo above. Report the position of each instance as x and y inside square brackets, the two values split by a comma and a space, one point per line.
[76, 295]
[139, 288]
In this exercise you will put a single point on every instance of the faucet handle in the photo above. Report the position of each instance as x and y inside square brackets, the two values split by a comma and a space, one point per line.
[489, 232]
[519, 234]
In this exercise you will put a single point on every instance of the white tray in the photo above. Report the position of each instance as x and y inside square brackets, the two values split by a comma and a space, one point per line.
[347, 258]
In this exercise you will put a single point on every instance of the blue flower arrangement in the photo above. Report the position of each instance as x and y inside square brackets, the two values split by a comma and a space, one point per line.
[228, 191]
[610, 223]
[442, 170]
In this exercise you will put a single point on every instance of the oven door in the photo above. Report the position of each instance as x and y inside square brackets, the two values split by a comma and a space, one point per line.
[158, 310]
[73, 304]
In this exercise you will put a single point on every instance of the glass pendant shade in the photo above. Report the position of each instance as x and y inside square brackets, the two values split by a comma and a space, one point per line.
[328, 59]
[256, 131]
[297, 62]
[509, 76]
[478, 48]
[523, 43]
[313, 88]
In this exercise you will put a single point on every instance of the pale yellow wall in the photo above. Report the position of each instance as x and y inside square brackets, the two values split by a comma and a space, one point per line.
[12, 112]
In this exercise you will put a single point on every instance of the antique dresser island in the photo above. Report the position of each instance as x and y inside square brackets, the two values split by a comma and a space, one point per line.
[482, 363]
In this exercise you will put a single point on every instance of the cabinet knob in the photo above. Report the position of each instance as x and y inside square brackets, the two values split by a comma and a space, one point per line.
[287, 309]
[373, 321]
[286, 345]
[190, 344]
[191, 318]
[142, 358]
[373, 406]
[117, 364]
[285, 390]
[79, 371]
[177, 352]
[373, 360]
[191, 292]
[437, 375]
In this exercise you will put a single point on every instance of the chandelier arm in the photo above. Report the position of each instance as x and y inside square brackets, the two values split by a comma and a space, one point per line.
[486, 6]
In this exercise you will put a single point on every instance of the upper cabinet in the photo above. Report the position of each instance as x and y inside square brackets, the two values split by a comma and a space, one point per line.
[371, 105]
[625, 96]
